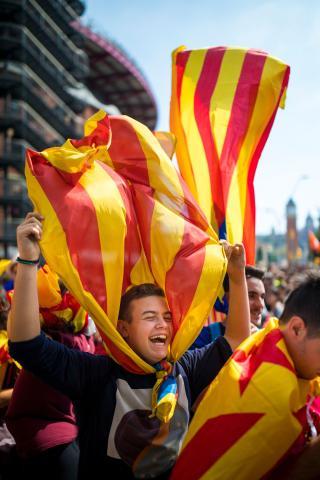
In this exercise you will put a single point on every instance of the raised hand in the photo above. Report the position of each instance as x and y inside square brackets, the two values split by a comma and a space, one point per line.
[28, 236]
[236, 260]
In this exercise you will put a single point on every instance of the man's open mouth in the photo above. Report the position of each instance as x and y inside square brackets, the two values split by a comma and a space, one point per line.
[158, 339]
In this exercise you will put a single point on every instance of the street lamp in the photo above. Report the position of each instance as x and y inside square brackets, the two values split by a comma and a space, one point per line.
[300, 179]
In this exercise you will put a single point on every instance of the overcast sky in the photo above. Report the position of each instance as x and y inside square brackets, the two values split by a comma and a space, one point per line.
[289, 30]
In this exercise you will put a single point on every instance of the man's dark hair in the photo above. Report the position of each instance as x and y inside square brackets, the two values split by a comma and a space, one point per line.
[254, 272]
[136, 292]
[304, 301]
[250, 271]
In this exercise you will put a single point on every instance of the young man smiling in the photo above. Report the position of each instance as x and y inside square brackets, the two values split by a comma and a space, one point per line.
[145, 322]
[118, 433]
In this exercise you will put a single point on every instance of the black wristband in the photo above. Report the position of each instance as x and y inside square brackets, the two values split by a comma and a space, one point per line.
[27, 262]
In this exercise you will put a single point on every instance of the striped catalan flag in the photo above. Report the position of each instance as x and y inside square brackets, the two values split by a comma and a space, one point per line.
[253, 414]
[57, 309]
[4, 352]
[118, 214]
[223, 104]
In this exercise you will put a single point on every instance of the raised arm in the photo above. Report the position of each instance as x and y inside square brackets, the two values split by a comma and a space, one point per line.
[23, 323]
[238, 320]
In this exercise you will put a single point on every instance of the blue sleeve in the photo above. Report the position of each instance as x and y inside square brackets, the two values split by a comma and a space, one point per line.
[203, 364]
[70, 371]
[203, 339]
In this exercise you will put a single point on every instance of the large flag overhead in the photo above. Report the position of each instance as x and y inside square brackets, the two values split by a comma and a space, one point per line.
[252, 415]
[118, 214]
[223, 104]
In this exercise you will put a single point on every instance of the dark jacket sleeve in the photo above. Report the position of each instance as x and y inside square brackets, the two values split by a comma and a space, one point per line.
[203, 364]
[69, 371]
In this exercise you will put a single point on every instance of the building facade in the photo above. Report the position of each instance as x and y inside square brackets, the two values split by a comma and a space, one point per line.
[46, 83]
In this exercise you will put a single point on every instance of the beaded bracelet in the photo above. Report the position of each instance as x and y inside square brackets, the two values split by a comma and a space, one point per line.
[27, 262]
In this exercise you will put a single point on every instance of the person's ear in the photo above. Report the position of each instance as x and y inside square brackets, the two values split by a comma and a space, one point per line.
[123, 328]
[297, 327]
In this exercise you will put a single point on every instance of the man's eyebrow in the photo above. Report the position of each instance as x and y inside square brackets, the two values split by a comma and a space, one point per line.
[153, 312]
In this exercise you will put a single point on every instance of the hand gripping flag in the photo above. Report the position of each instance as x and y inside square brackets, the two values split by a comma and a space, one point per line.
[223, 104]
[251, 416]
[118, 214]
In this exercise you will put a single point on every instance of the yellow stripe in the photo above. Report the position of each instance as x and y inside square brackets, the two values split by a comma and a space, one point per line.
[58, 258]
[176, 127]
[288, 395]
[267, 98]
[212, 275]
[77, 160]
[92, 123]
[167, 227]
[167, 230]
[105, 196]
[4, 264]
[79, 319]
[195, 146]
[140, 273]
[167, 233]
[278, 418]
[223, 95]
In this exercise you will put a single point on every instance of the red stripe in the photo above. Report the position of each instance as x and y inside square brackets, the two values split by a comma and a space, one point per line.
[183, 277]
[79, 225]
[126, 152]
[100, 135]
[130, 162]
[250, 217]
[243, 105]
[125, 361]
[181, 63]
[249, 225]
[213, 439]
[132, 245]
[204, 91]
[180, 66]
[190, 210]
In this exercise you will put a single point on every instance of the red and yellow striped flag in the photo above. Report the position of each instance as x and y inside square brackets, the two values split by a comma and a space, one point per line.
[58, 310]
[253, 413]
[120, 215]
[223, 104]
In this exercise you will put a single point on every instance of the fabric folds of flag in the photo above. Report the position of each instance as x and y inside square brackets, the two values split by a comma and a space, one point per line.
[314, 243]
[58, 310]
[118, 214]
[252, 415]
[4, 352]
[223, 104]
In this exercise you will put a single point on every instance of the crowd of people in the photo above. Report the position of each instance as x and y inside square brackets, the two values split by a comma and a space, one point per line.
[68, 410]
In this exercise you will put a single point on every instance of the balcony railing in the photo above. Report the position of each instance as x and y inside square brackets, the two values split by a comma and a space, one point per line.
[12, 152]
[63, 11]
[12, 190]
[8, 230]
[43, 99]
[36, 56]
[41, 135]
[56, 41]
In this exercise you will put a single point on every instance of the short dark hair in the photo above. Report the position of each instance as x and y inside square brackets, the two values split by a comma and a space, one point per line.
[304, 301]
[250, 271]
[134, 293]
[255, 272]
